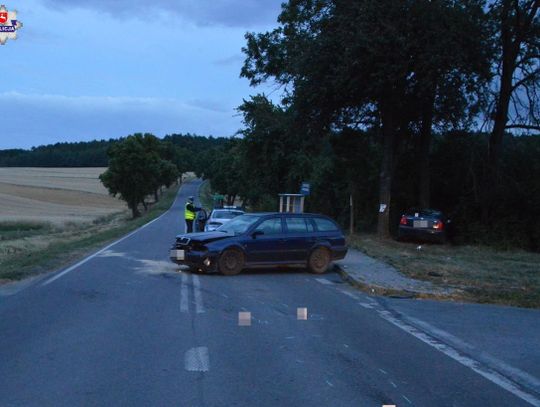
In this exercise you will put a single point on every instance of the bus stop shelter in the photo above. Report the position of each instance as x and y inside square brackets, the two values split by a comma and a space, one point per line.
[291, 203]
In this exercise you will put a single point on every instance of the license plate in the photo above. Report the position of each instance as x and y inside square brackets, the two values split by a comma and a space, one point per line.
[177, 254]
[420, 224]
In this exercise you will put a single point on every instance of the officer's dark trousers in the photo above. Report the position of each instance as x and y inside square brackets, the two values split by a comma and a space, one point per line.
[189, 226]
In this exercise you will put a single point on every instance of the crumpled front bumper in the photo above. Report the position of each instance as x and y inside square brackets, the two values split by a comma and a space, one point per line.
[201, 260]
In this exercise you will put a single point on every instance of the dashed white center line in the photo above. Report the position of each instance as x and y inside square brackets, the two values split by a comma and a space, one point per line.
[197, 360]
[199, 306]
[184, 293]
[393, 384]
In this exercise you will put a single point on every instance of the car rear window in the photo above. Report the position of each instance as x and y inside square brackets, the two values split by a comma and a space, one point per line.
[226, 214]
[298, 225]
[423, 212]
[325, 225]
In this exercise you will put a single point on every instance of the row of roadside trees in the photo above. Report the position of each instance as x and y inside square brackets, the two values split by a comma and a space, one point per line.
[403, 69]
[397, 104]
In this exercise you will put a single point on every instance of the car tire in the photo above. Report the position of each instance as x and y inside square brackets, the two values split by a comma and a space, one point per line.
[319, 260]
[231, 262]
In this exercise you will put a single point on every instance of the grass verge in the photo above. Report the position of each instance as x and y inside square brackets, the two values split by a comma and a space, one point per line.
[66, 246]
[206, 195]
[482, 274]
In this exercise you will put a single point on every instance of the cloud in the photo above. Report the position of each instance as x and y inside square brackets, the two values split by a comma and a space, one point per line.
[231, 13]
[36, 119]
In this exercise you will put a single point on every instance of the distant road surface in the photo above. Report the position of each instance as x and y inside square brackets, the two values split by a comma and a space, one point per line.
[126, 328]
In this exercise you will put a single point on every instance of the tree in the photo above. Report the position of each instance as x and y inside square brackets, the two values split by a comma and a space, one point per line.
[447, 86]
[136, 170]
[127, 175]
[517, 28]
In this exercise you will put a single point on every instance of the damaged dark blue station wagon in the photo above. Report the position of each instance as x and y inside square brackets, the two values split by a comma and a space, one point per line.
[263, 240]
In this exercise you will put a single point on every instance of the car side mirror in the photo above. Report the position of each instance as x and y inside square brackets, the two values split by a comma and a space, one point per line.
[257, 233]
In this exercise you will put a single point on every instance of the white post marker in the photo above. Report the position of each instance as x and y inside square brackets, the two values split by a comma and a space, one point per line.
[244, 318]
[301, 314]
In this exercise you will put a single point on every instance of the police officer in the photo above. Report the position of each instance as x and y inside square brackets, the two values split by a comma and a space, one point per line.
[190, 214]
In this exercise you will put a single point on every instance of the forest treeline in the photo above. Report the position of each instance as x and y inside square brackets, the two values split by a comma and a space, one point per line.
[188, 152]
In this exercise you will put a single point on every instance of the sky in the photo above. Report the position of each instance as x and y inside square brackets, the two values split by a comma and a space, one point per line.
[97, 69]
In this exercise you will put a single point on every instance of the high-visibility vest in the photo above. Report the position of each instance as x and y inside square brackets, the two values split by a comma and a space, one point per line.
[189, 215]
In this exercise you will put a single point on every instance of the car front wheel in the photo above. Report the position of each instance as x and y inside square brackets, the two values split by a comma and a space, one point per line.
[319, 260]
[231, 262]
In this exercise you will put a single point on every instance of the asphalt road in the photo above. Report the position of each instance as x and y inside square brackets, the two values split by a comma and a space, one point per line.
[126, 328]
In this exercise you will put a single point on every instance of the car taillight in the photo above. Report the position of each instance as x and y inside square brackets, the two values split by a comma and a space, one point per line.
[403, 220]
[439, 225]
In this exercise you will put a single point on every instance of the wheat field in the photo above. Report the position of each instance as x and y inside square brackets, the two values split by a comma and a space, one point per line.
[54, 195]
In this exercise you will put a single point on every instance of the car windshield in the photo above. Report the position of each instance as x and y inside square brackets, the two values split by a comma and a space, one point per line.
[239, 225]
[226, 214]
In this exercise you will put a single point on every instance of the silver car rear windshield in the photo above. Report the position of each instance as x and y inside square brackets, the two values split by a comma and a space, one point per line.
[226, 214]
[239, 225]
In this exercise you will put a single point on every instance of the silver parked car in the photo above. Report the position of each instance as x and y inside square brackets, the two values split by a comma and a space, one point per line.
[219, 217]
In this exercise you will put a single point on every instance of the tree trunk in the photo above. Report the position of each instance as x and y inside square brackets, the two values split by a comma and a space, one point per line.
[509, 54]
[424, 192]
[156, 195]
[145, 205]
[501, 115]
[386, 173]
[134, 210]
[351, 214]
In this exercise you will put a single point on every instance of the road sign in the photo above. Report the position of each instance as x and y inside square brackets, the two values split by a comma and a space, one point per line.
[305, 189]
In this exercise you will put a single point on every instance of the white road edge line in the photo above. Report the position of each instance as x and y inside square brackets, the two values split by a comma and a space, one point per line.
[184, 293]
[349, 294]
[324, 281]
[472, 364]
[525, 379]
[75, 266]
[199, 306]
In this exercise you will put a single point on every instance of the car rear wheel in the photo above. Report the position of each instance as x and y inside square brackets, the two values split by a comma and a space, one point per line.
[231, 262]
[319, 260]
